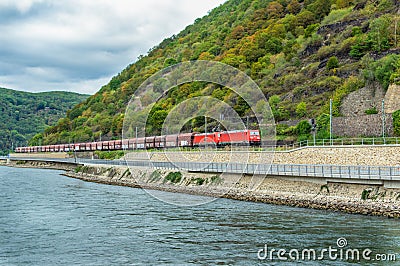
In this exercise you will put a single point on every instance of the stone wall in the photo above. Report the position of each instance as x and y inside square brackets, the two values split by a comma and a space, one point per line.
[357, 102]
[355, 123]
[362, 126]
[392, 98]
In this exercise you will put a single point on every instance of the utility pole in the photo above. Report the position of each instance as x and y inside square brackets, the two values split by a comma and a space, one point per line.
[330, 121]
[136, 137]
[205, 130]
[383, 120]
[395, 28]
[395, 32]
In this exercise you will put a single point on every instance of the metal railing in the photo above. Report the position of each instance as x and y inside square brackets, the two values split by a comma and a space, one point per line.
[378, 141]
[351, 142]
[295, 170]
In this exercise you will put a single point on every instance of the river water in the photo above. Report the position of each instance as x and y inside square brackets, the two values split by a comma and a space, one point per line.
[49, 219]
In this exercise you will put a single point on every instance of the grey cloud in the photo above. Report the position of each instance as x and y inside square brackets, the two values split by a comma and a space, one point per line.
[79, 45]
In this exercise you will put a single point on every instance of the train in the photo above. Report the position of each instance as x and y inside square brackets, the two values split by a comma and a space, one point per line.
[189, 140]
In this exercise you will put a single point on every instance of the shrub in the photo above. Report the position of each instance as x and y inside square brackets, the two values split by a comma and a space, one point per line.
[109, 155]
[301, 110]
[155, 176]
[323, 122]
[78, 169]
[371, 111]
[396, 122]
[365, 194]
[336, 15]
[199, 181]
[281, 129]
[326, 51]
[384, 68]
[303, 128]
[324, 187]
[332, 63]
[216, 180]
[174, 177]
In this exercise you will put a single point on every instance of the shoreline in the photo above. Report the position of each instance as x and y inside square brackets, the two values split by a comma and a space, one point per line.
[336, 197]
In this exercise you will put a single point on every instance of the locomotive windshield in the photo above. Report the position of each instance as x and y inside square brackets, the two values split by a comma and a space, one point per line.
[254, 133]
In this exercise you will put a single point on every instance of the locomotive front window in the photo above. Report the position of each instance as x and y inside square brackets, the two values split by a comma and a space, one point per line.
[254, 133]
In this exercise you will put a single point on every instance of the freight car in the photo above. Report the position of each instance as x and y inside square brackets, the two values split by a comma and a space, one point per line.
[223, 138]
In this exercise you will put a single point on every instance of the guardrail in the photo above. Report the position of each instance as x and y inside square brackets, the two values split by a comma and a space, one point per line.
[297, 170]
[351, 142]
[379, 141]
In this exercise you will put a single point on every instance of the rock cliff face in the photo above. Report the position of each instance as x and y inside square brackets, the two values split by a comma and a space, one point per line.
[392, 99]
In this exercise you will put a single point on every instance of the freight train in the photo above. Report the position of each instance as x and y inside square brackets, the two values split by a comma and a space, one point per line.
[217, 139]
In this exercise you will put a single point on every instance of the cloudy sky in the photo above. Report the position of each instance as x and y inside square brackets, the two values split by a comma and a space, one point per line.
[78, 45]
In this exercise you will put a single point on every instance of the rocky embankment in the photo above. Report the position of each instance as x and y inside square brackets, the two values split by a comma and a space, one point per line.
[349, 198]
[39, 164]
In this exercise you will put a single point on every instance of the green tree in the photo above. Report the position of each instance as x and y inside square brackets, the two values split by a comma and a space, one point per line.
[303, 130]
[379, 34]
[274, 10]
[305, 18]
[323, 123]
[278, 111]
[273, 46]
[301, 110]
[310, 30]
[384, 69]
[294, 7]
[320, 8]
[169, 62]
[155, 122]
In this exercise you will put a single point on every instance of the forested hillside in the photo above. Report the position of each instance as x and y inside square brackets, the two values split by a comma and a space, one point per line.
[24, 114]
[301, 54]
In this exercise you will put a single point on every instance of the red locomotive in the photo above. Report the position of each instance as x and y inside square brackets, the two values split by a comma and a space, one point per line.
[223, 138]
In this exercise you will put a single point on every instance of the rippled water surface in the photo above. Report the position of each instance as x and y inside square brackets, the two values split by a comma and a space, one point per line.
[49, 219]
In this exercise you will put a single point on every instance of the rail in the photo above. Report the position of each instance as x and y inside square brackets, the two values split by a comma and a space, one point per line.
[296, 170]
[379, 141]
[351, 142]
